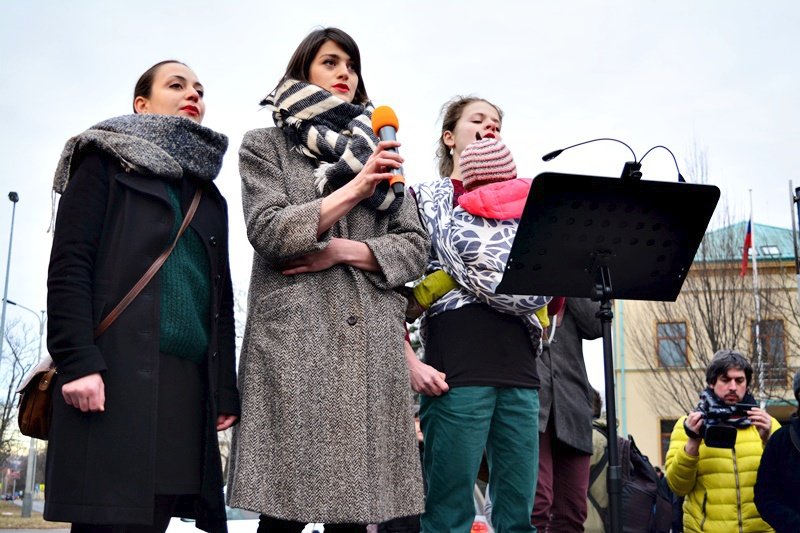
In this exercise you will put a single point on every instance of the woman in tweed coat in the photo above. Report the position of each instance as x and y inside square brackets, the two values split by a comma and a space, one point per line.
[326, 432]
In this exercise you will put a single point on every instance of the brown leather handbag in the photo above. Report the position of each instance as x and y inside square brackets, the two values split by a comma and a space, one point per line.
[36, 391]
[35, 409]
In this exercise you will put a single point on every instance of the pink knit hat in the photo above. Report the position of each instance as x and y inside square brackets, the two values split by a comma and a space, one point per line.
[486, 161]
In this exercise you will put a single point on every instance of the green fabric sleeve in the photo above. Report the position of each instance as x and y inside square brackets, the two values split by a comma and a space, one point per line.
[432, 287]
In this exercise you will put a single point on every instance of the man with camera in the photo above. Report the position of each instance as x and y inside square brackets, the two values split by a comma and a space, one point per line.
[715, 450]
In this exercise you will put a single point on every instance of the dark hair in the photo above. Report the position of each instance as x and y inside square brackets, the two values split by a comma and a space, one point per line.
[300, 63]
[451, 112]
[144, 85]
[796, 387]
[597, 403]
[725, 360]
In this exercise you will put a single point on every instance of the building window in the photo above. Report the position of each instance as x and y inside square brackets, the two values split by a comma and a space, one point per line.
[666, 432]
[770, 250]
[773, 351]
[671, 340]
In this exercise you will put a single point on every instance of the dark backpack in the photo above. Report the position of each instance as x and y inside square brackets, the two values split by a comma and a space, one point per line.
[646, 507]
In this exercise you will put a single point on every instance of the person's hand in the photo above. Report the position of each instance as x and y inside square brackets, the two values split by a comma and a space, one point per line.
[762, 421]
[339, 202]
[377, 168]
[694, 422]
[426, 380]
[338, 251]
[225, 421]
[87, 393]
[315, 261]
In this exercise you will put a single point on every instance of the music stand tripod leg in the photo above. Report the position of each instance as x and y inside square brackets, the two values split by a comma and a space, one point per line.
[613, 478]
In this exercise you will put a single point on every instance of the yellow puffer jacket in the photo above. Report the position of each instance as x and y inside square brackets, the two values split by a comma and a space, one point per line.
[718, 484]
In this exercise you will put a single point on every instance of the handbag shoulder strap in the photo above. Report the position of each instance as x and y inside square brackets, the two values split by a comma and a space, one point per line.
[154, 268]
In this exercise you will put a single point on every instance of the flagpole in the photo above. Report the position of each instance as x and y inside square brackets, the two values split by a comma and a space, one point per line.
[795, 203]
[757, 300]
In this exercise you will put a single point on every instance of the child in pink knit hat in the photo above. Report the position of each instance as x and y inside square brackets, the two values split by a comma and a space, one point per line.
[486, 161]
[488, 173]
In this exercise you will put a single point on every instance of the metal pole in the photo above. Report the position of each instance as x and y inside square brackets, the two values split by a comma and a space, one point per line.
[795, 194]
[614, 472]
[14, 197]
[603, 292]
[30, 472]
[619, 342]
[30, 482]
[757, 301]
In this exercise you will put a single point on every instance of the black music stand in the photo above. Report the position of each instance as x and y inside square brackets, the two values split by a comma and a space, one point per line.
[577, 230]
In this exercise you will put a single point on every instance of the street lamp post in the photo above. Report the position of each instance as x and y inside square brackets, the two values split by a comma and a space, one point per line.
[30, 472]
[14, 197]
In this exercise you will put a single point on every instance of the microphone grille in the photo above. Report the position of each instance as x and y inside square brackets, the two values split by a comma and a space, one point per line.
[384, 116]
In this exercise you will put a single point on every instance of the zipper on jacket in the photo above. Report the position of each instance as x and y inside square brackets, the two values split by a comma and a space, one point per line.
[703, 521]
[738, 491]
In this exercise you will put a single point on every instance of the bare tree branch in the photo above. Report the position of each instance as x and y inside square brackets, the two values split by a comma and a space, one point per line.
[19, 357]
[717, 307]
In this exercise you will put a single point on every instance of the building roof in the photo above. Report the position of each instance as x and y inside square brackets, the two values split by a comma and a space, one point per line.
[725, 244]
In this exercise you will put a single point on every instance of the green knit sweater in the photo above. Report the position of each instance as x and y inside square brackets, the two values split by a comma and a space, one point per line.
[185, 292]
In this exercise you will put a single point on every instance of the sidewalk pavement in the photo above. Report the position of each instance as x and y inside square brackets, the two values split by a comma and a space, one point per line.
[37, 505]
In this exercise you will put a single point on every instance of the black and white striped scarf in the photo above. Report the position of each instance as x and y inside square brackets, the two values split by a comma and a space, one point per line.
[336, 133]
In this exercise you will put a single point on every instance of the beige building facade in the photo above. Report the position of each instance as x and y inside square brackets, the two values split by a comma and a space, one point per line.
[661, 349]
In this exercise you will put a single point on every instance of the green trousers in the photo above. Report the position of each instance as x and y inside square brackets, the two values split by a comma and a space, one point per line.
[457, 427]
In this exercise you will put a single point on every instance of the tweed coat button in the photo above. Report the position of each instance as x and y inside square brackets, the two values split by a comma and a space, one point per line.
[217, 279]
[212, 241]
[214, 355]
[352, 320]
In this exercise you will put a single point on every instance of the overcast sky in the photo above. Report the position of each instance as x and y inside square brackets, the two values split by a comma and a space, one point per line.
[722, 76]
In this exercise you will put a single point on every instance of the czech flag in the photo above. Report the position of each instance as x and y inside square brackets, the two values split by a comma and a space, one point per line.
[748, 243]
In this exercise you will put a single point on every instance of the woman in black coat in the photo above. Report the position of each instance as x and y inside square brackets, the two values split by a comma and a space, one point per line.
[136, 410]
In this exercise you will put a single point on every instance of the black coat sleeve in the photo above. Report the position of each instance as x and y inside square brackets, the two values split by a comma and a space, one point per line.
[775, 475]
[583, 310]
[70, 276]
[228, 400]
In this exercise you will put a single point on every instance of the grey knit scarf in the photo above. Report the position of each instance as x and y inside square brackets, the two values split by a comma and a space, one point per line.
[336, 133]
[166, 146]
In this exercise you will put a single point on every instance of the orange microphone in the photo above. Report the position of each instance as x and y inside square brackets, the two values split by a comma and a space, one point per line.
[385, 126]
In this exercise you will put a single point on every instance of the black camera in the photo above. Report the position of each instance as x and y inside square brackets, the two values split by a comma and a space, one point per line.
[720, 420]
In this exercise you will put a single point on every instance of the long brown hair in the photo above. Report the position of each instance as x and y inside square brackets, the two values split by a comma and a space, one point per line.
[451, 113]
[300, 63]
